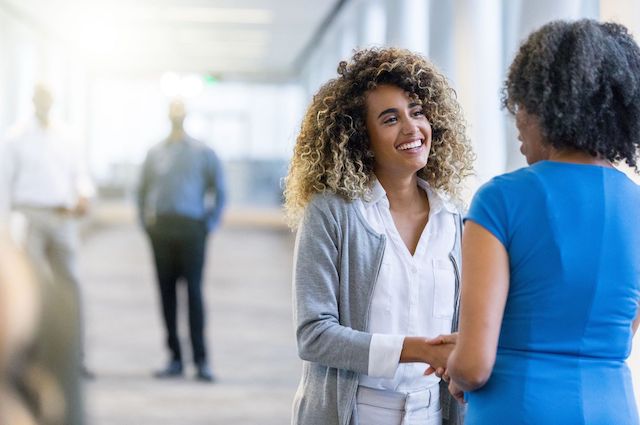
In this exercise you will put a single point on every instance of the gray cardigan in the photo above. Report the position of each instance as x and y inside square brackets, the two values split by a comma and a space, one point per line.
[336, 264]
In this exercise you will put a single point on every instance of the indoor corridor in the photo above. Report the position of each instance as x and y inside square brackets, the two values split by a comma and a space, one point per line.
[110, 82]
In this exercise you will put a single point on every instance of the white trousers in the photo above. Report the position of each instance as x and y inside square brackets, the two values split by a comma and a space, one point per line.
[51, 241]
[380, 407]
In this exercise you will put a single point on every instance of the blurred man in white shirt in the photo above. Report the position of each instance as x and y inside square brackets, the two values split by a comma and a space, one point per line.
[43, 178]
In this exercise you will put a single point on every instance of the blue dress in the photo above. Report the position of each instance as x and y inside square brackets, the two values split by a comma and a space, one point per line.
[572, 232]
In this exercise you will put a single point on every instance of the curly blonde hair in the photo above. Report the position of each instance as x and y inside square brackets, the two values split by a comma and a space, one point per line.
[332, 151]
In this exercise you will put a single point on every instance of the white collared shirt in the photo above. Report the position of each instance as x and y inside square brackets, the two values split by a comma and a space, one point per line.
[414, 295]
[41, 167]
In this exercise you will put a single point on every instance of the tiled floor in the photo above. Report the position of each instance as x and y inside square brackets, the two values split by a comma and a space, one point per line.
[250, 332]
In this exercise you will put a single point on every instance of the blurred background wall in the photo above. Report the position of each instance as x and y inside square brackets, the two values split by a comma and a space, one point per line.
[248, 68]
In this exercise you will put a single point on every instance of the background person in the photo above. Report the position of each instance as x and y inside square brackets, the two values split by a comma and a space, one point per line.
[44, 178]
[179, 177]
[40, 380]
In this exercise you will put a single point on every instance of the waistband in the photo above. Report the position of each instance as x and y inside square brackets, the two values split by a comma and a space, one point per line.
[407, 402]
[42, 209]
[171, 222]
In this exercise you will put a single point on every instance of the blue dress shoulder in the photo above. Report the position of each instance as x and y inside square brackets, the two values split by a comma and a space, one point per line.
[573, 238]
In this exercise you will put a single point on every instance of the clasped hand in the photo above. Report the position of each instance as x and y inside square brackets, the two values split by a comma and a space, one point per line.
[448, 341]
[439, 367]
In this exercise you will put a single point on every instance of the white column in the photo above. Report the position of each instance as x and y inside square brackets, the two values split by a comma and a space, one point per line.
[330, 55]
[478, 47]
[347, 40]
[4, 83]
[625, 12]
[442, 38]
[534, 14]
[372, 23]
[408, 24]
[25, 75]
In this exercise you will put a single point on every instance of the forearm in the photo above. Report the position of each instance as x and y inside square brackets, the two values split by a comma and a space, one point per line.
[468, 373]
[414, 350]
[420, 350]
[334, 345]
[82, 206]
[485, 285]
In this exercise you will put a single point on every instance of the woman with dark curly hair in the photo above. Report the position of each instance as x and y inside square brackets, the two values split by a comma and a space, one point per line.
[372, 188]
[551, 252]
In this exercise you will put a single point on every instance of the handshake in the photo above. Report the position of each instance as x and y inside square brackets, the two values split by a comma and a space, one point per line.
[435, 352]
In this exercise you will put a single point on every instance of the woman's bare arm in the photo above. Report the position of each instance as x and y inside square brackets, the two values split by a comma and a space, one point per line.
[485, 284]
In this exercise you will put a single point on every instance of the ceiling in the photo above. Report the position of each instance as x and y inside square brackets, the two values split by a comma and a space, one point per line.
[231, 39]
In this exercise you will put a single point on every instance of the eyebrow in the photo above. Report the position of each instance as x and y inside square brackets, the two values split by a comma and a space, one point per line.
[388, 111]
[395, 110]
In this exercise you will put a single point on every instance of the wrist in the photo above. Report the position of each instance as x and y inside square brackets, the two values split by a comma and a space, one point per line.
[414, 349]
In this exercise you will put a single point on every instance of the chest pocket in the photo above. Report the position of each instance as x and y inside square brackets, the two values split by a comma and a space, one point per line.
[383, 293]
[444, 288]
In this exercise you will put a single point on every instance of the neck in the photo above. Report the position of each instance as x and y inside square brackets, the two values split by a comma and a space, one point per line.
[577, 157]
[403, 193]
[43, 120]
[177, 134]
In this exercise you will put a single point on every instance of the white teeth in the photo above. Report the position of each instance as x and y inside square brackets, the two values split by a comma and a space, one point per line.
[410, 145]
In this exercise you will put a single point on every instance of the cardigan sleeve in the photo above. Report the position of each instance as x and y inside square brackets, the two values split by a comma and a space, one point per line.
[320, 336]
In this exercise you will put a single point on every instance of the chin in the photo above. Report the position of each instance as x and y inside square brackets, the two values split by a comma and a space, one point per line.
[420, 166]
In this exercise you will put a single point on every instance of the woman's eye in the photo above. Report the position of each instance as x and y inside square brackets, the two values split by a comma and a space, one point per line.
[390, 120]
[418, 113]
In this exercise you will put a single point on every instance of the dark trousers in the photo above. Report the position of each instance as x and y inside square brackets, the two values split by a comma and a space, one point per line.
[179, 246]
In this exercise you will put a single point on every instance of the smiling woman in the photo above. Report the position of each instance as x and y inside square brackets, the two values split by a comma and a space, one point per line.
[373, 182]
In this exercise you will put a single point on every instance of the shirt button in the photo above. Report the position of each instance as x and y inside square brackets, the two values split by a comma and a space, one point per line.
[414, 270]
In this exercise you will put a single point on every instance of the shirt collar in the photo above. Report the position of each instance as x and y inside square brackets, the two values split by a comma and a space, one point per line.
[376, 193]
[34, 124]
[436, 201]
[185, 140]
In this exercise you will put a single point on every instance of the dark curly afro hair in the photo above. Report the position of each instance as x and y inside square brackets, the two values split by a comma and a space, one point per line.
[582, 79]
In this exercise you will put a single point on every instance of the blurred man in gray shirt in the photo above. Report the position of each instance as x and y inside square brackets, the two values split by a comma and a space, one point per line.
[180, 201]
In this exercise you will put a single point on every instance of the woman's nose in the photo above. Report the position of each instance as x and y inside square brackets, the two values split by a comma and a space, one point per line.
[409, 128]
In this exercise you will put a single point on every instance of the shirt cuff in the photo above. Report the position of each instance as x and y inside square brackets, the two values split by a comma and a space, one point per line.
[384, 355]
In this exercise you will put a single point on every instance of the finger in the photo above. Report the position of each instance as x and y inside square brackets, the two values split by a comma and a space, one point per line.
[448, 339]
[435, 341]
[430, 370]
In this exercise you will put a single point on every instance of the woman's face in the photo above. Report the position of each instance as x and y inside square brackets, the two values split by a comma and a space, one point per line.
[399, 131]
[533, 146]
